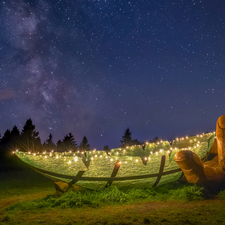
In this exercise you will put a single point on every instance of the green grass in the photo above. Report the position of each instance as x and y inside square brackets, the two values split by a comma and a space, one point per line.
[27, 198]
[114, 196]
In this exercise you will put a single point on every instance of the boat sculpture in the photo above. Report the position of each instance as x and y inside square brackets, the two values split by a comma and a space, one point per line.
[136, 166]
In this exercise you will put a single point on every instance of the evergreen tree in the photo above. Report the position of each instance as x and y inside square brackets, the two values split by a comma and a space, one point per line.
[156, 139]
[49, 144]
[60, 147]
[5, 146]
[126, 139]
[106, 149]
[69, 143]
[30, 138]
[84, 146]
[5, 141]
[135, 142]
[15, 137]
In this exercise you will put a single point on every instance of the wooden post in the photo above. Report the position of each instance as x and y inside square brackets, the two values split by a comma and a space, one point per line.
[115, 170]
[163, 159]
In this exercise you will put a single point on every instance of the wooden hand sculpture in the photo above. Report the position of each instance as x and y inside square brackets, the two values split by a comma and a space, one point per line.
[210, 171]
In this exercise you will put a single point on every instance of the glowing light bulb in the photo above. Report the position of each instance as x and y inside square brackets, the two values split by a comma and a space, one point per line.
[145, 158]
[100, 156]
[111, 159]
[136, 160]
[156, 153]
[57, 157]
[106, 157]
[13, 152]
[92, 158]
[46, 156]
[96, 156]
[69, 162]
[146, 143]
[125, 161]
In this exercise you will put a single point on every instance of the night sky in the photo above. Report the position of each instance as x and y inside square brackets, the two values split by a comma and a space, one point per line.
[96, 67]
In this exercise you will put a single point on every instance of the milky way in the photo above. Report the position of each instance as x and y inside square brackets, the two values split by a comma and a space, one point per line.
[95, 68]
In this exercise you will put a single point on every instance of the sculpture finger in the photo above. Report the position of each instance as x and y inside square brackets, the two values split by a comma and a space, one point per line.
[191, 165]
[220, 137]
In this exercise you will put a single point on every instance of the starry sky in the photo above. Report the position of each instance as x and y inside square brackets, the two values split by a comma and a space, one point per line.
[96, 67]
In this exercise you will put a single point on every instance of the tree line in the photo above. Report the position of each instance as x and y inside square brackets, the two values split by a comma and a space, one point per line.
[28, 140]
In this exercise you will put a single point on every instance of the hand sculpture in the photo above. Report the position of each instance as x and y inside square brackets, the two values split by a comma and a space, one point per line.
[210, 171]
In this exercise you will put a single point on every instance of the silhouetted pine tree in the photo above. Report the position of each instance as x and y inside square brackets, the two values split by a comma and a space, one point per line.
[60, 147]
[84, 146]
[126, 139]
[156, 139]
[49, 144]
[69, 143]
[135, 142]
[15, 138]
[106, 149]
[5, 145]
[30, 141]
[5, 140]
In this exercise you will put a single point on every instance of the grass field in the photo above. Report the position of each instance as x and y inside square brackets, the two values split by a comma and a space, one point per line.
[26, 197]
